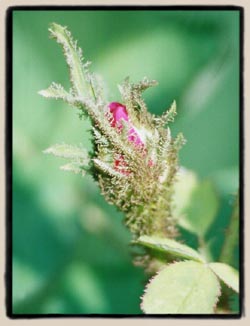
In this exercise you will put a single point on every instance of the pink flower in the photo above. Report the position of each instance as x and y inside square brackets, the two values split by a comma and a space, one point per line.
[119, 112]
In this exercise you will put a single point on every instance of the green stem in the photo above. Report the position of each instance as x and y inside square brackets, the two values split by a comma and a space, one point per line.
[231, 237]
[203, 249]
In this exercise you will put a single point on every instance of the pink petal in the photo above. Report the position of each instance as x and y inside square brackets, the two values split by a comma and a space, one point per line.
[134, 137]
[119, 112]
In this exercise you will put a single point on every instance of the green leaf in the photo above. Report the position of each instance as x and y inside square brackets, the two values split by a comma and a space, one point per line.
[68, 151]
[202, 210]
[170, 246]
[167, 116]
[78, 157]
[73, 56]
[227, 274]
[182, 288]
[56, 91]
[179, 141]
[185, 184]
[76, 167]
[170, 113]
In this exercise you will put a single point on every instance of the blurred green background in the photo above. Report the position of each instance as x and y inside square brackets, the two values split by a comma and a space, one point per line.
[70, 249]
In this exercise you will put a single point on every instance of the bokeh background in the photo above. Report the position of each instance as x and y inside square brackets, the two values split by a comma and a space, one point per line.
[70, 249]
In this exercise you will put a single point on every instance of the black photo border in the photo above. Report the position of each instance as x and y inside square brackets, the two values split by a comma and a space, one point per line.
[9, 155]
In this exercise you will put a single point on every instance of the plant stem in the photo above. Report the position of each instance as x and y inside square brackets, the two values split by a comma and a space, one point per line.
[232, 236]
[203, 248]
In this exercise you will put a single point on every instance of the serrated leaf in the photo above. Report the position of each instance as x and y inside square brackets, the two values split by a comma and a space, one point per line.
[179, 141]
[202, 210]
[170, 246]
[75, 167]
[73, 57]
[56, 91]
[182, 288]
[69, 152]
[167, 116]
[78, 156]
[227, 274]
